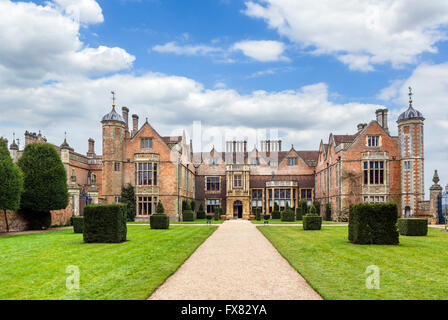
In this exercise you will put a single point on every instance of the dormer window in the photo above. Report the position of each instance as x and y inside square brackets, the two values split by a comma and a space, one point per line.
[146, 143]
[292, 162]
[373, 141]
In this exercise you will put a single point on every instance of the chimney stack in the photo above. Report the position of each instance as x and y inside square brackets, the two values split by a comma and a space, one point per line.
[134, 124]
[125, 111]
[91, 152]
[381, 118]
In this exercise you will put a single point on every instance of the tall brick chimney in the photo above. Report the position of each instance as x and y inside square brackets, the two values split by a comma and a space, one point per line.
[126, 116]
[381, 118]
[134, 124]
[91, 152]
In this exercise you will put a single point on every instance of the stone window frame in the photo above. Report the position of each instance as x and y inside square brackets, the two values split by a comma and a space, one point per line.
[373, 140]
[367, 169]
[149, 200]
[154, 173]
[208, 203]
[257, 199]
[146, 143]
[292, 162]
[311, 190]
[238, 181]
[219, 183]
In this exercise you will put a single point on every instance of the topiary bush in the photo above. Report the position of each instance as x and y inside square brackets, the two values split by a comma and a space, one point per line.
[317, 206]
[302, 209]
[159, 220]
[328, 212]
[288, 215]
[267, 216]
[37, 220]
[78, 224]
[258, 214]
[209, 216]
[312, 222]
[188, 215]
[128, 197]
[201, 212]
[276, 212]
[105, 223]
[373, 223]
[313, 210]
[413, 227]
[218, 213]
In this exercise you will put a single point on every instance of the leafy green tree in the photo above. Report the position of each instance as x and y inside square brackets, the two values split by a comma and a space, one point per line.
[128, 197]
[45, 182]
[11, 182]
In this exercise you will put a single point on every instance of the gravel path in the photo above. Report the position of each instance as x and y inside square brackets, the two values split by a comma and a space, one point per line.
[236, 263]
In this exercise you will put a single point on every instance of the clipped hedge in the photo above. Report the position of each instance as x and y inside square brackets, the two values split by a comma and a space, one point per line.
[301, 209]
[105, 223]
[373, 223]
[413, 227]
[218, 213]
[257, 214]
[159, 221]
[188, 215]
[78, 224]
[201, 213]
[37, 220]
[267, 216]
[288, 215]
[209, 216]
[276, 214]
[312, 222]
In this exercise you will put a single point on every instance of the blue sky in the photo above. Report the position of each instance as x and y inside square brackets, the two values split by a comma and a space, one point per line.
[304, 68]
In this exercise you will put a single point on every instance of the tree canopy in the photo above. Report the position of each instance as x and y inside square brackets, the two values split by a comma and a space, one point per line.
[45, 179]
[11, 180]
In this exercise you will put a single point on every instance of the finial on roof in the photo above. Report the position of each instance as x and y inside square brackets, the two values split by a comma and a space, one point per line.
[436, 178]
[113, 98]
[410, 96]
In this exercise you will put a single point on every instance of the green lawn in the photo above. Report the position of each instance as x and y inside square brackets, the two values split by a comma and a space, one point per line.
[279, 221]
[197, 221]
[415, 270]
[34, 266]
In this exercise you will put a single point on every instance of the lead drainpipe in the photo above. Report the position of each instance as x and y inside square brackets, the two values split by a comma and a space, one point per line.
[178, 189]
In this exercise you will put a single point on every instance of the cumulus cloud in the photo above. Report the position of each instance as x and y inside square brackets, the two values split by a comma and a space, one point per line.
[84, 11]
[263, 51]
[359, 33]
[43, 44]
[302, 116]
[430, 85]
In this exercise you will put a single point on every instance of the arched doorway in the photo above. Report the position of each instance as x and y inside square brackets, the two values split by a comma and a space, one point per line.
[407, 211]
[238, 210]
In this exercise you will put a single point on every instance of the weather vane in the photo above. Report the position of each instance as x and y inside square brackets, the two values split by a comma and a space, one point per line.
[113, 98]
[410, 96]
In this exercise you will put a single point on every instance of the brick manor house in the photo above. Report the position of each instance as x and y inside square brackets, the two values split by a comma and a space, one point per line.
[369, 165]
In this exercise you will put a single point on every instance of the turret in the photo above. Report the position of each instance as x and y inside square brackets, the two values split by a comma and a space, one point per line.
[411, 133]
[114, 128]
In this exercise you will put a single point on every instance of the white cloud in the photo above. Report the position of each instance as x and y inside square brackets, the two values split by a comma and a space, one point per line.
[84, 11]
[190, 50]
[263, 51]
[430, 86]
[172, 103]
[359, 33]
[43, 44]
